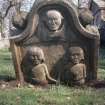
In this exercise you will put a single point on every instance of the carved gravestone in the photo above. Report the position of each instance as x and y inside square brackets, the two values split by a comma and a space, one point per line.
[60, 46]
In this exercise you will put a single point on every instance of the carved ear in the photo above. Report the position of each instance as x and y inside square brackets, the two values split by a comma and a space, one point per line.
[20, 24]
[82, 57]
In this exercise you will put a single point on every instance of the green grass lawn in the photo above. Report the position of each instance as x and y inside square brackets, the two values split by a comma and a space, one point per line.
[55, 95]
[6, 65]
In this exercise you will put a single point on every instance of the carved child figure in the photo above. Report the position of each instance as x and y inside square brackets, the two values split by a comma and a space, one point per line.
[76, 69]
[34, 69]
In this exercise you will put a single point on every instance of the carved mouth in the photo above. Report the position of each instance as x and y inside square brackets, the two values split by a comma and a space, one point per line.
[75, 61]
[53, 27]
[35, 63]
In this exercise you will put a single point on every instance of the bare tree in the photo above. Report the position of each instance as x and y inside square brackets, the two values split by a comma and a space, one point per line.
[11, 3]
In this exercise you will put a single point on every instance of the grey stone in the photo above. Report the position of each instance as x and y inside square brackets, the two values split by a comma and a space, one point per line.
[54, 27]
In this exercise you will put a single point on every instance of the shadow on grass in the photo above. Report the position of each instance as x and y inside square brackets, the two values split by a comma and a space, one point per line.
[7, 59]
[102, 58]
[97, 84]
[6, 78]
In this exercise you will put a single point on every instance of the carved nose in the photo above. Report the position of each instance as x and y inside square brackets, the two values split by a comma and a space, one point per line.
[35, 58]
[75, 56]
[53, 22]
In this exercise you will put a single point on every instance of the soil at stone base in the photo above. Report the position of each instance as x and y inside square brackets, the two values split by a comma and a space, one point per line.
[9, 82]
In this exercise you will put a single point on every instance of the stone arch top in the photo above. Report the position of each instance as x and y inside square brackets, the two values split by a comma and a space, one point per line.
[65, 5]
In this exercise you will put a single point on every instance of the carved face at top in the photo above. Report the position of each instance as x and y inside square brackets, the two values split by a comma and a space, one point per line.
[76, 54]
[53, 20]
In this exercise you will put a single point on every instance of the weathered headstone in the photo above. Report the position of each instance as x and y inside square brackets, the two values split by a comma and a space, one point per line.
[67, 48]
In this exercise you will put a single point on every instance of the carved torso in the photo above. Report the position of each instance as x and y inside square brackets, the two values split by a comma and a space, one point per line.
[75, 73]
[39, 72]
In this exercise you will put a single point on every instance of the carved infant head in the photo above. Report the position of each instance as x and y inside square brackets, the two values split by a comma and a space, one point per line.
[76, 54]
[53, 20]
[35, 55]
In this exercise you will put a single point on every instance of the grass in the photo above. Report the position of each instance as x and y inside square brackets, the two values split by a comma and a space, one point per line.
[55, 95]
[101, 70]
[6, 65]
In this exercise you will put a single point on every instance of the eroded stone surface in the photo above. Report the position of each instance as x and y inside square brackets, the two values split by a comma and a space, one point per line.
[54, 27]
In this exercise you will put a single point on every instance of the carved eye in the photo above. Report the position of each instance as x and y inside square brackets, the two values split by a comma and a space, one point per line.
[31, 57]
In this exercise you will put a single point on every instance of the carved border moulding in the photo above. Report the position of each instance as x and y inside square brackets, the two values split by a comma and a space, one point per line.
[74, 34]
